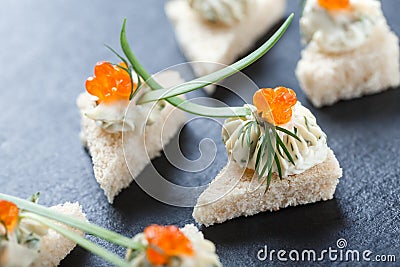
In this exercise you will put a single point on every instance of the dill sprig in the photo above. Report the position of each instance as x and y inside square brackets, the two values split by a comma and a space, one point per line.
[270, 144]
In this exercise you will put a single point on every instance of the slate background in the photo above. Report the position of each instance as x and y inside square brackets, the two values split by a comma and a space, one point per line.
[48, 49]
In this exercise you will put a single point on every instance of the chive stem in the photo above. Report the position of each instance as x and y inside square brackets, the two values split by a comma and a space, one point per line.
[220, 74]
[170, 95]
[81, 241]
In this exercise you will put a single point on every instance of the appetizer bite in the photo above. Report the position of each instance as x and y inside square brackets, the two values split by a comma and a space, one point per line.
[32, 235]
[350, 51]
[108, 113]
[173, 247]
[25, 242]
[116, 105]
[218, 31]
[278, 157]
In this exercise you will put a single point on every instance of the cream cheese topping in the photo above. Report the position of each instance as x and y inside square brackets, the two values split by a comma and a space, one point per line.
[119, 116]
[124, 115]
[226, 12]
[23, 246]
[335, 31]
[312, 149]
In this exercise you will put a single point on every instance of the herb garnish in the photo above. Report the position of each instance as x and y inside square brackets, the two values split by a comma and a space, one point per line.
[170, 95]
[270, 143]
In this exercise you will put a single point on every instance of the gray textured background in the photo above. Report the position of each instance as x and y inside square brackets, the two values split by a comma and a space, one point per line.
[49, 48]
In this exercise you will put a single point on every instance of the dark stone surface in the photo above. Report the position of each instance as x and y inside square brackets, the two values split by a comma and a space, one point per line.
[48, 49]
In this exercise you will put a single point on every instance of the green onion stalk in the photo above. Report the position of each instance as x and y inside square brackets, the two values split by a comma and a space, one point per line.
[170, 95]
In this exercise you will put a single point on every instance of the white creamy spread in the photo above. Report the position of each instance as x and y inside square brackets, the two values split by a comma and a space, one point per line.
[225, 12]
[335, 31]
[123, 115]
[312, 149]
[204, 251]
[23, 246]
[117, 117]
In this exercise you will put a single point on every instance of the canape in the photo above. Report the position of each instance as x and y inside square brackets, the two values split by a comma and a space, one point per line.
[219, 31]
[24, 242]
[278, 157]
[173, 247]
[350, 51]
[109, 118]
[32, 235]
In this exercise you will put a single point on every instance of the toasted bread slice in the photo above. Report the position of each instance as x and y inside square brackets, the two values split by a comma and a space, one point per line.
[54, 246]
[110, 161]
[107, 149]
[232, 193]
[372, 68]
[207, 42]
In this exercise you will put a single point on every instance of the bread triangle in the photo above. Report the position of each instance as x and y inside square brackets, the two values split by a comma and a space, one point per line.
[107, 149]
[203, 41]
[231, 194]
[372, 68]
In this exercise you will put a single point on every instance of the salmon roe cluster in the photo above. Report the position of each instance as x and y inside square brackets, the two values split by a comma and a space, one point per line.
[275, 105]
[334, 4]
[109, 82]
[9, 215]
[166, 242]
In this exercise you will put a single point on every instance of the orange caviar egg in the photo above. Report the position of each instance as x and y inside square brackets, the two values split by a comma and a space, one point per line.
[334, 4]
[165, 242]
[275, 105]
[109, 82]
[9, 215]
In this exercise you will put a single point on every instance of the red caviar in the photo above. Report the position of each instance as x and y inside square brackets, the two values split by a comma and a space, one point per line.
[109, 82]
[165, 242]
[334, 4]
[9, 215]
[275, 105]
